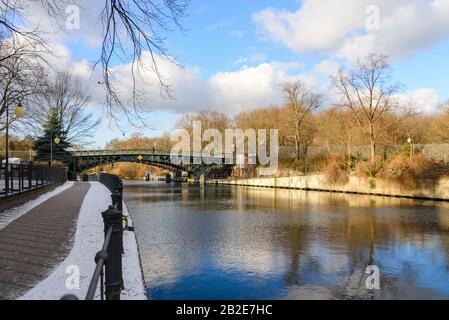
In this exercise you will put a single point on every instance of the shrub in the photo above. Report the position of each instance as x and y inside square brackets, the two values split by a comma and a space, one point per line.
[401, 166]
[411, 172]
[307, 165]
[335, 169]
[367, 168]
[355, 159]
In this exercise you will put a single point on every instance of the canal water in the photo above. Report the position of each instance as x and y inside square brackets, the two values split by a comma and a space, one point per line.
[223, 242]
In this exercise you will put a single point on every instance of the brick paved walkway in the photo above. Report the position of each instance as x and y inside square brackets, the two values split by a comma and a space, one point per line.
[35, 243]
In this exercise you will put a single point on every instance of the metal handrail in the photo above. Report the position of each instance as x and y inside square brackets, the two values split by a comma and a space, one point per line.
[110, 181]
[151, 152]
[100, 258]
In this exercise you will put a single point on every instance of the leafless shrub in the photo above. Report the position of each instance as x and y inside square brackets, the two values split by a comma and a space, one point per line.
[335, 170]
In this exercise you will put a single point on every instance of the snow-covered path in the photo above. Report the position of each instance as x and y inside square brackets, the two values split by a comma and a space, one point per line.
[88, 240]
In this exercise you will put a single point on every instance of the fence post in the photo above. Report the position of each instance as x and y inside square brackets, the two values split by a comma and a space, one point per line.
[20, 178]
[11, 175]
[30, 177]
[117, 201]
[113, 217]
[117, 196]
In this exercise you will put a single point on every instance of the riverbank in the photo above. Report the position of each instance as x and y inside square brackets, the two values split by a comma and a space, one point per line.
[427, 190]
[87, 242]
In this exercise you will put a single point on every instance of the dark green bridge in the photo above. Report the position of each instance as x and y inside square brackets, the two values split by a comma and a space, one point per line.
[195, 165]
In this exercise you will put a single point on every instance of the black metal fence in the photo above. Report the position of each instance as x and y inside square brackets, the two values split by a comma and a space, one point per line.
[108, 269]
[111, 181]
[19, 178]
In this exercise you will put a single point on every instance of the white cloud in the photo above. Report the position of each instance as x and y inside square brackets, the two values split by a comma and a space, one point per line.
[321, 72]
[251, 87]
[318, 24]
[338, 26]
[423, 100]
[229, 92]
[188, 89]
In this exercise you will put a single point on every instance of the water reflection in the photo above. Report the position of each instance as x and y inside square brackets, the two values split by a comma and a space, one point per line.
[251, 243]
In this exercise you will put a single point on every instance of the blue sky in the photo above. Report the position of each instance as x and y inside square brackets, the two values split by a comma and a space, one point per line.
[227, 43]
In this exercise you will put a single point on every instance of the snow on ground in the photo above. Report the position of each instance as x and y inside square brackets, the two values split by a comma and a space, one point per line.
[132, 269]
[88, 240]
[8, 216]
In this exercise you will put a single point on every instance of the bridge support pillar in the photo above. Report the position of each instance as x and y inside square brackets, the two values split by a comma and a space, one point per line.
[200, 178]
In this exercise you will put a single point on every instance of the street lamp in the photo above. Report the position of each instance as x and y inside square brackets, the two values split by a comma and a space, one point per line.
[412, 151]
[56, 140]
[19, 111]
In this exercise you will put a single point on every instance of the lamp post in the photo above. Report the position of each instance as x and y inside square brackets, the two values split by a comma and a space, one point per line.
[19, 111]
[412, 151]
[56, 140]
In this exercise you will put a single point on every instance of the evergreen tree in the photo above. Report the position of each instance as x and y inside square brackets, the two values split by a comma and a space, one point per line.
[42, 144]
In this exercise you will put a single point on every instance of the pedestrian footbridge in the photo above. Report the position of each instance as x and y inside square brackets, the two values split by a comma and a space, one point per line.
[194, 164]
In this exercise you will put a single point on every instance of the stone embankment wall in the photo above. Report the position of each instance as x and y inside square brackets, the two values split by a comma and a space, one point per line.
[435, 190]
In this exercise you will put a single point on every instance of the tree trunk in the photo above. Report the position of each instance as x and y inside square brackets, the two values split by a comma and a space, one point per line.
[298, 149]
[373, 142]
[305, 150]
[373, 150]
[349, 146]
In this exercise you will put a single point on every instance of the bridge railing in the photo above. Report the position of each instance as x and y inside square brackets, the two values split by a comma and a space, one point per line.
[143, 152]
[87, 153]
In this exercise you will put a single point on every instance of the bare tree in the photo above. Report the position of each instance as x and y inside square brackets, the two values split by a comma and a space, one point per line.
[68, 99]
[301, 103]
[210, 119]
[337, 129]
[369, 92]
[442, 123]
[22, 69]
